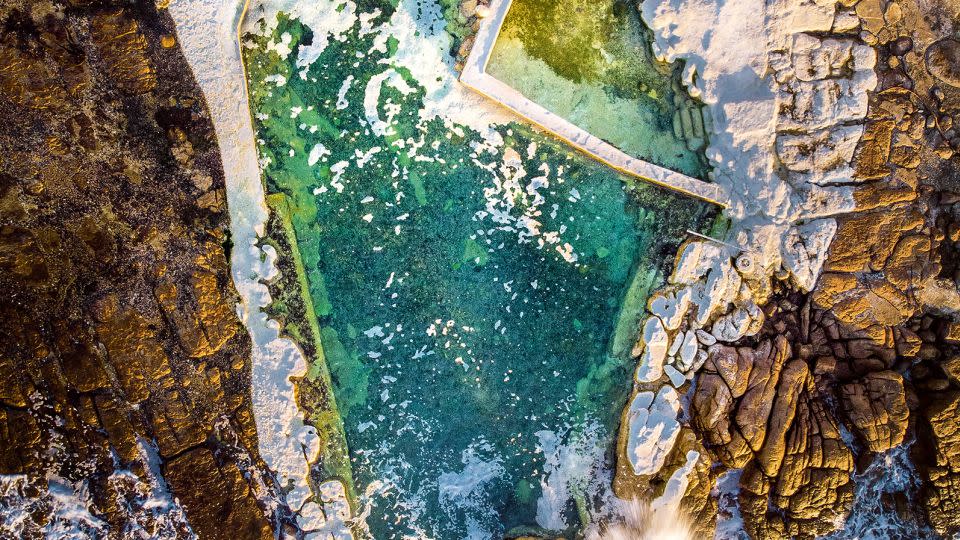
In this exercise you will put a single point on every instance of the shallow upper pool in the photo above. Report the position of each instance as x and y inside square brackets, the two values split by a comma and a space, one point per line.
[476, 293]
[590, 62]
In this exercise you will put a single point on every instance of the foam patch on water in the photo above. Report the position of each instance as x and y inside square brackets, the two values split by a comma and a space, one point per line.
[874, 516]
[63, 508]
[574, 467]
[729, 520]
[466, 490]
[423, 48]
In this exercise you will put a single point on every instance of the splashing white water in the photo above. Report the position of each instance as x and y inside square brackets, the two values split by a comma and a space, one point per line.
[639, 520]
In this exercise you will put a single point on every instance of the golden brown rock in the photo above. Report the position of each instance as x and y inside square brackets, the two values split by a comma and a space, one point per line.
[195, 477]
[754, 409]
[942, 493]
[123, 48]
[793, 380]
[877, 409]
[118, 336]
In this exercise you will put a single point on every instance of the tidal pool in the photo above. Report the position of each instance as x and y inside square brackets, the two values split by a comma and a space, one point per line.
[590, 62]
[477, 294]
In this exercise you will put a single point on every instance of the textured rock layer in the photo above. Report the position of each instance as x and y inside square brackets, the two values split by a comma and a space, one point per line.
[120, 349]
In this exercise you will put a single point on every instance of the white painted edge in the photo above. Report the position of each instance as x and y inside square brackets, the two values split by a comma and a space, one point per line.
[474, 76]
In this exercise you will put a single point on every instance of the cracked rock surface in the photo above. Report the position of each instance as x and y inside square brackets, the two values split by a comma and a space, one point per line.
[867, 360]
[125, 370]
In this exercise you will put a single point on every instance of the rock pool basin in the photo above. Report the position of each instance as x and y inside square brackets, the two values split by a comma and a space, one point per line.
[477, 292]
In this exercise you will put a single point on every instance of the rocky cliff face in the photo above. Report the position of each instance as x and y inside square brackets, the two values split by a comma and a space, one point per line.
[867, 360]
[124, 370]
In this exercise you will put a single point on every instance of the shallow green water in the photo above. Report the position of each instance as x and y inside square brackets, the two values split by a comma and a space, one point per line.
[590, 62]
[468, 294]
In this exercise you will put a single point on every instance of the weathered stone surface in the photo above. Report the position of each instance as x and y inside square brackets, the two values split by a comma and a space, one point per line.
[877, 409]
[712, 404]
[232, 513]
[793, 380]
[122, 47]
[652, 349]
[942, 492]
[754, 408]
[872, 341]
[118, 336]
[943, 61]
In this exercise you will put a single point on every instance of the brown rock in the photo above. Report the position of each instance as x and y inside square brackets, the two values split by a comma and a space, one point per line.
[697, 502]
[203, 320]
[123, 46]
[951, 332]
[19, 440]
[732, 365]
[952, 369]
[793, 380]
[812, 490]
[943, 61]
[866, 240]
[711, 407]
[941, 495]
[133, 351]
[874, 149]
[754, 409]
[232, 513]
[877, 409]
[111, 180]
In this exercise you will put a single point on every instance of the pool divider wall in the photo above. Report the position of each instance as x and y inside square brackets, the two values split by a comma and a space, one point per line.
[333, 459]
[474, 76]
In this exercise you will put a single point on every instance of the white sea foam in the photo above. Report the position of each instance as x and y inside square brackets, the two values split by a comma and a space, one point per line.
[874, 515]
[423, 48]
[637, 520]
[466, 490]
[574, 467]
[61, 510]
[729, 520]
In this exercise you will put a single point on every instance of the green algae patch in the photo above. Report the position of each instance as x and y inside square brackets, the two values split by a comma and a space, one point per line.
[472, 292]
[590, 62]
[295, 307]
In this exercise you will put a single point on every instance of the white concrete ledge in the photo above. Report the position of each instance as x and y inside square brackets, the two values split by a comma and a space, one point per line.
[475, 76]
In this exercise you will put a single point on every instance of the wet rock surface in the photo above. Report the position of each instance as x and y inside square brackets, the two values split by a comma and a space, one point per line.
[121, 353]
[855, 351]
[867, 360]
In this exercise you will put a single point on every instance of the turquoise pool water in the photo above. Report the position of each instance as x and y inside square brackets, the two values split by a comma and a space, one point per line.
[474, 297]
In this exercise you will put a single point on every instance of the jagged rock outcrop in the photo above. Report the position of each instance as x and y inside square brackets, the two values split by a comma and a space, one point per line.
[876, 407]
[759, 408]
[875, 337]
[123, 364]
[942, 493]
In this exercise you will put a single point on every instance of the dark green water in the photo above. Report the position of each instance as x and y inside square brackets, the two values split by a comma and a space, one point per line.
[468, 295]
